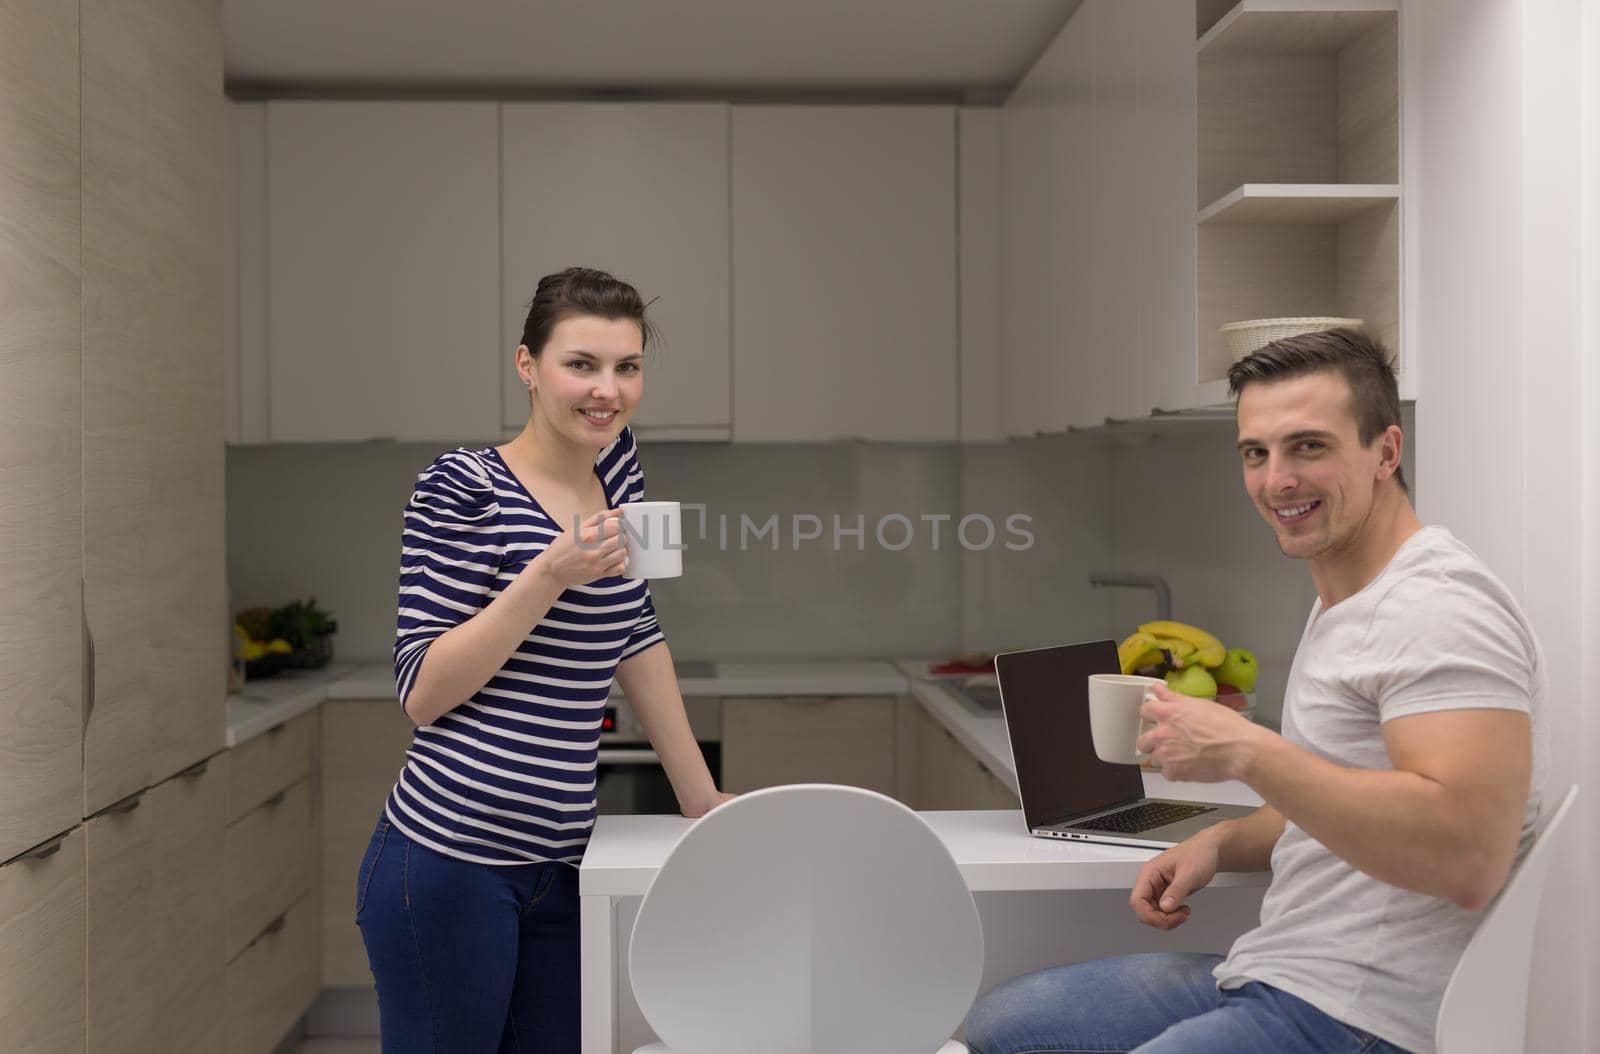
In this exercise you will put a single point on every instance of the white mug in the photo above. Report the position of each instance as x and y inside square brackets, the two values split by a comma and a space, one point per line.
[653, 534]
[1114, 701]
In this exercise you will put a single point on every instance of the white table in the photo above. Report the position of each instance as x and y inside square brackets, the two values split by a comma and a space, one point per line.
[996, 856]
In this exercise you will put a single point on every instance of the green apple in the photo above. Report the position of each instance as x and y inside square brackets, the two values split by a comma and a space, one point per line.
[1193, 680]
[1239, 668]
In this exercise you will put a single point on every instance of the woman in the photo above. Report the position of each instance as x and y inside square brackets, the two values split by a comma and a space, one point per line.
[513, 621]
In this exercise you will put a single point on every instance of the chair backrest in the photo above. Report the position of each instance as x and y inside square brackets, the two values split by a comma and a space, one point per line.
[807, 918]
[1485, 1005]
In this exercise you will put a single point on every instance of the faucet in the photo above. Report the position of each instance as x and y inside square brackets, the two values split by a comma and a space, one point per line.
[1154, 583]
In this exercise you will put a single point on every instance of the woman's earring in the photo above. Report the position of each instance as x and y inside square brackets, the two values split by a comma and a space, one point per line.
[527, 382]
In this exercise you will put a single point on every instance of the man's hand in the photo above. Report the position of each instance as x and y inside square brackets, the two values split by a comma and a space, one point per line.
[1195, 739]
[1166, 880]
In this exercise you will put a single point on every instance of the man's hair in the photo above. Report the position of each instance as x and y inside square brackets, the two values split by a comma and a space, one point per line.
[1364, 364]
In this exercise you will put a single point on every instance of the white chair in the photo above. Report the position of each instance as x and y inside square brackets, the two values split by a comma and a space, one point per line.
[809, 919]
[1485, 1005]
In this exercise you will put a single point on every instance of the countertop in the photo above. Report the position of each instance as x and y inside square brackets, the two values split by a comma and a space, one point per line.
[267, 703]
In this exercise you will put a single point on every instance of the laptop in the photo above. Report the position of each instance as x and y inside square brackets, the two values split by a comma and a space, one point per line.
[1068, 792]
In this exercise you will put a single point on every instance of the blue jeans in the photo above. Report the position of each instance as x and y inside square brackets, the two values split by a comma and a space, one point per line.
[1154, 1004]
[469, 958]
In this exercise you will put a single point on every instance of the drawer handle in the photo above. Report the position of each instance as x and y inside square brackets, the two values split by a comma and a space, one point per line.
[275, 925]
[274, 801]
[197, 769]
[275, 729]
[47, 849]
[126, 805]
[807, 700]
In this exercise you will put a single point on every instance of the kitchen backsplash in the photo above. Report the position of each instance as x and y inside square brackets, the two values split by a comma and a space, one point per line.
[767, 577]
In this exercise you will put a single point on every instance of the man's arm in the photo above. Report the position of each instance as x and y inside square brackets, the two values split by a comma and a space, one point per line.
[1165, 881]
[1444, 822]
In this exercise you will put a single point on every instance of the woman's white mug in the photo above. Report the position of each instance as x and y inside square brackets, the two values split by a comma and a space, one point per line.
[653, 534]
[1114, 724]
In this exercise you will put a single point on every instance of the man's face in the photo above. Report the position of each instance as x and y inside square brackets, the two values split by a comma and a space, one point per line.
[1304, 465]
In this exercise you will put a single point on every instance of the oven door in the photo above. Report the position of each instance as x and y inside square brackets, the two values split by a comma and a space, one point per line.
[630, 781]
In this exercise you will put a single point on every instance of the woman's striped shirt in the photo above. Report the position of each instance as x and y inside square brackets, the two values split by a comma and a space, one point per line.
[508, 776]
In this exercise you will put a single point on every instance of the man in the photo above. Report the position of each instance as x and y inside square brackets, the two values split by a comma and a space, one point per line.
[1397, 798]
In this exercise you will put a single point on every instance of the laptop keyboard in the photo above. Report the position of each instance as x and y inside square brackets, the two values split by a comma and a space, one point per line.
[1143, 817]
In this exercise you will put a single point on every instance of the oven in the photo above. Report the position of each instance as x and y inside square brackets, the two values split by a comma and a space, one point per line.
[629, 779]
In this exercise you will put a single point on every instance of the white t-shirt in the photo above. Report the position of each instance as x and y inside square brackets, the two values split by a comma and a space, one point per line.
[1435, 630]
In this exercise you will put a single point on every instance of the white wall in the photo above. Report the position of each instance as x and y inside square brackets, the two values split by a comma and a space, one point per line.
[1506, 406]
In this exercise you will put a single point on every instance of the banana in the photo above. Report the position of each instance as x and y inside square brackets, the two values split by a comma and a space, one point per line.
[1208, 650]
[1139, 649]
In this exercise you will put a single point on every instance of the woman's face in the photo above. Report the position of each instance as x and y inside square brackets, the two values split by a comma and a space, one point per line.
[588, 378]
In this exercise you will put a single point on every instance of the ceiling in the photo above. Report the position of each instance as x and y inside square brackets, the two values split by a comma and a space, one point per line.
[971, 49]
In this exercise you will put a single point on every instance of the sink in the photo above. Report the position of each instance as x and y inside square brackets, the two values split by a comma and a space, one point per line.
[696, 671]
[982, 697]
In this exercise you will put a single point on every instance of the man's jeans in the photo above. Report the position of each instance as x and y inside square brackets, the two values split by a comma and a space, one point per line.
[1154, 1004]
[469, 957]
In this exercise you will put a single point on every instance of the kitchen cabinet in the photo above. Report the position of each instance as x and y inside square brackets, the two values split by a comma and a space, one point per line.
[273, 981]
[155, 889]
[152, 460]
[936, 772]
[767, 742]
[844, 248]
[1098, 246]
[640, 190]
[244, 349]
[42, 925]
[41, 426]
[383, 227]
[364, 743]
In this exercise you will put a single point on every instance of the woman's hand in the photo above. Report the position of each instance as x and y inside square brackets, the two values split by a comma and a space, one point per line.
[597, 551]
[694, 810]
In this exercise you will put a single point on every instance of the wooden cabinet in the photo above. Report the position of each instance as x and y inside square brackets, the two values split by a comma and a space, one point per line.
[383, 223]
[808, 739]
[155, 894]
[937, 772]
[844, 248]
[41, 533]
[273, 981]
[364, 744]
[152, 324]
[271, 862]
[42, 976]
[640, 190]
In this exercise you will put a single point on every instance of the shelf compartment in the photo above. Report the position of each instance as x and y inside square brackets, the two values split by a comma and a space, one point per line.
[1348, 269]
[1291, 27]
[1297, 202]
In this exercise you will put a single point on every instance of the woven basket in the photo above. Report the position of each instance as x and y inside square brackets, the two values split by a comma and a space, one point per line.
[1252, 335]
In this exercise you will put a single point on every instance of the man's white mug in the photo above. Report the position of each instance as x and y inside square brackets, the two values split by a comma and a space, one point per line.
[1114, 701]
[653, 533]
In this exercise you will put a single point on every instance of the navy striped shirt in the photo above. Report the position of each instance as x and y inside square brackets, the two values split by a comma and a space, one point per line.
[507, 777]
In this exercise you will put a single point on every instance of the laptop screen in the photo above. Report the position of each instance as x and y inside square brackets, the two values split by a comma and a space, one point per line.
[1045, 696]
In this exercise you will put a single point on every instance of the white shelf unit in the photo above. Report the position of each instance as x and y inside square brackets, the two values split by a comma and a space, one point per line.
[1298, 191]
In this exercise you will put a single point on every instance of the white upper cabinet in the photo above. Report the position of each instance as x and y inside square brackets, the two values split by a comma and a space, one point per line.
[641, 191]
[383, 234]
[244, 369]
[1098, 253]
[844, 255]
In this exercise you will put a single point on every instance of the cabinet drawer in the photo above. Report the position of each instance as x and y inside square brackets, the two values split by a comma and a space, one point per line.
[270, 859]
[273, 981]
[801, 739]
[42, 973]
[269, 763]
